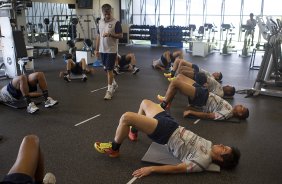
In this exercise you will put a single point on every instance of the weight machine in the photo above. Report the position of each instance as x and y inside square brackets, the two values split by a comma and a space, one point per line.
[269, 78]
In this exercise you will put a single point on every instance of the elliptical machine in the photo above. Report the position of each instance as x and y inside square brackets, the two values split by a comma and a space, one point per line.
[227, 46]
[247, 40]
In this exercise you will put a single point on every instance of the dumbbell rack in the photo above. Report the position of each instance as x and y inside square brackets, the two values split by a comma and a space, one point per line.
[143, 32]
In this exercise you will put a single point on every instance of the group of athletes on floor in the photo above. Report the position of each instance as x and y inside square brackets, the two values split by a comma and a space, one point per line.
[205, 96]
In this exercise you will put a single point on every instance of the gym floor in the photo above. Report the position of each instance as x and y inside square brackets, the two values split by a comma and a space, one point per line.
[69, 151]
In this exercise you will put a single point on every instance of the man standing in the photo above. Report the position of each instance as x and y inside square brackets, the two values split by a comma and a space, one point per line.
[252, 23]
[107, 45]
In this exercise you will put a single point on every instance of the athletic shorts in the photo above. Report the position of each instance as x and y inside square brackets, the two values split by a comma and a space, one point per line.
[123, 62]
[108, 60]
[196, 68]
[17, 178]
[164, 62]
[201, 96]
[200, 78]
[17, 94]
[77, 69]
[166, 126]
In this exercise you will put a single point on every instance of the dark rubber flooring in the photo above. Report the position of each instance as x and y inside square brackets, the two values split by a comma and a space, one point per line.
[69, 151]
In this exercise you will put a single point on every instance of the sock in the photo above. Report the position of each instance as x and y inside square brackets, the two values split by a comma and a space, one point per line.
[164, 104]
[172, 73]
[45, 94]
[27, 99]
[83, 71]
[133, 66]
[110, 88]
[114, 82]
[68, 71]
[115, 146]
[134, 130]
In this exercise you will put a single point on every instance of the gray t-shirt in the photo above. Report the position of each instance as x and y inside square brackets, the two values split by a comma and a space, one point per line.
[220, 107]
[190, 149]
[214, 86]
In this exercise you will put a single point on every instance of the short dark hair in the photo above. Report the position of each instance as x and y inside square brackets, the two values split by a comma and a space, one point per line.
[106, 8]
[229, 92]
[251, 14]
[245, 115]
[230, 160]
[220, 76]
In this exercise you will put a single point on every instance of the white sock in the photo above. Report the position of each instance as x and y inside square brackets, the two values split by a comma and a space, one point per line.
[114, 82]
[110, 88]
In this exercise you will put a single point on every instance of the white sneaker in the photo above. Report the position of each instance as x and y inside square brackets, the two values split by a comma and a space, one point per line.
[108, 95]
[32, 108]
[84, 77]
[67, 78]
[49, 178]
[50, 102]
[135, 70]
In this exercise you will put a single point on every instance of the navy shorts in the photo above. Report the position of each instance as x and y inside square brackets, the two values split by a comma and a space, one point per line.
[164, 61]
[201, 96]
[200, 78]
[196, 68]
[17, 178]
[17, 94]
[77, 69]
[165, 128]
[123, 62]
[108, 60]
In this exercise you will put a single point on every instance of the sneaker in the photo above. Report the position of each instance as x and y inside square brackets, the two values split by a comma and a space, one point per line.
[116, 71]
[135, 70]
[67, 78]
[106, 148]
[108, 95]
[132, 136]
[32, 108]
[115, 86]
[160, 98]
[49, 178]
[167, 75]
[171, 79]
[84, 77]
[50, 102]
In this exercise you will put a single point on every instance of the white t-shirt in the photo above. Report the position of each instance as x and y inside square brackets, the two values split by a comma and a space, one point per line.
[214, 86]
[107, 44]
[190, 149]
[208, 74]
[217, 105]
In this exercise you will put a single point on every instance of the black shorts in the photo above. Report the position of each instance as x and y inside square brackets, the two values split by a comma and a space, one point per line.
[77, 69]
[17, 178]
[201, 96]
[165, 128]
[108, 60]
[200, 78]
[196, 68]
[123, 62]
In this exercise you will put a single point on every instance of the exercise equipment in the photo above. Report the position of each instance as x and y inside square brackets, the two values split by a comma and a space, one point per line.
[247, 40]
[227, 46]
[269, 78]
[159, 154]
[21, 103]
